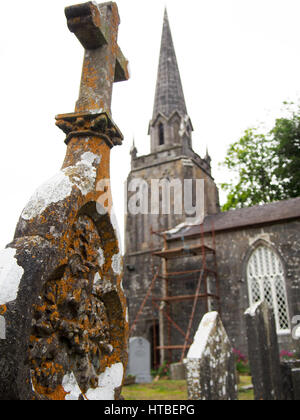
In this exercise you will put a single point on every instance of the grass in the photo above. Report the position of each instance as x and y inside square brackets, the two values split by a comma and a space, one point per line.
[245, 395]
[165, 390]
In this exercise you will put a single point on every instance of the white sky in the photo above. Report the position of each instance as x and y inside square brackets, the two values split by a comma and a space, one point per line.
[239, 60]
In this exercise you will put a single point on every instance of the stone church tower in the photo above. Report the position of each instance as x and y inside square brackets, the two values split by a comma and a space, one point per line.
[171, 157]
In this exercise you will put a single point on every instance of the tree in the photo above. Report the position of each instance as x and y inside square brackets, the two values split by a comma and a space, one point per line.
[286, 135]
[266, 166]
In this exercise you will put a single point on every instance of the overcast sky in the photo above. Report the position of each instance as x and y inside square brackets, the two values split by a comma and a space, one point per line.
[239, 60]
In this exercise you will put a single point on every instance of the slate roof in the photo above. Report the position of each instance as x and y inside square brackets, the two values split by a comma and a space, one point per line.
[243, 218]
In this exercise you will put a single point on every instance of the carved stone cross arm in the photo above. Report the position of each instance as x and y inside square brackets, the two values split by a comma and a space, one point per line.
[96, 27]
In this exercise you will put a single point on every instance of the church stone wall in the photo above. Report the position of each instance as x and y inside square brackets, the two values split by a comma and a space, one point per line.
[233, 251]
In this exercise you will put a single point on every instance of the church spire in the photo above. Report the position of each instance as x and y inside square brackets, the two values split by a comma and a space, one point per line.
[170, 112]
[169, 95]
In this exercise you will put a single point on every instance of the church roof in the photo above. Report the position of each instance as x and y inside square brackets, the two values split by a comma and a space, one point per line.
[242, 218]
[169, 96]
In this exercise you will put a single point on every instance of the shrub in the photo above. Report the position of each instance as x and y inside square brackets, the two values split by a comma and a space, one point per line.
[287, 355]
[242, 364]
[162, 371]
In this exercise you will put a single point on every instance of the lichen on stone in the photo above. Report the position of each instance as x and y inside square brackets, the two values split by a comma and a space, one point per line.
[10, 276]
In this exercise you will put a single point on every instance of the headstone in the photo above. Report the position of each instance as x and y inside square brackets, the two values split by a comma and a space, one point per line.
[140, 360]
[178, 372]
[210, 364]
[264, 354]
[63, 316]
[290, 371]
[296, 382]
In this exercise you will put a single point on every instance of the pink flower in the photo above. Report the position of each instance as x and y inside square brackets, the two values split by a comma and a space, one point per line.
[287, 354]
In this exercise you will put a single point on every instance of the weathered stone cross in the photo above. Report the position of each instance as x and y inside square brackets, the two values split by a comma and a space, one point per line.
[96, 27]
[63, 316]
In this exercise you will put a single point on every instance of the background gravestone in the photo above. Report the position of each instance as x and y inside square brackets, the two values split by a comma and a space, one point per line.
[177, 372]
[296, 382]
[264, 354]
[290, 372]
[140, 360]
[210, 364]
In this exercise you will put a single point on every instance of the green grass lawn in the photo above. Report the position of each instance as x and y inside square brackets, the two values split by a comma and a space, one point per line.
[166, 390]
[163, 390]
[245, 395]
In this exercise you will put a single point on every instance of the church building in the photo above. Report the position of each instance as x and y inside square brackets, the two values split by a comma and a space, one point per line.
[177, 270]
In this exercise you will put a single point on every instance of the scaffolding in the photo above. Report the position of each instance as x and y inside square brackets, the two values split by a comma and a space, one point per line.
[206, 280]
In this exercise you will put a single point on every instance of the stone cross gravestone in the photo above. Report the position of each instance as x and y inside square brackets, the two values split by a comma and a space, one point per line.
[63, 315]
[210, 363]
[264, 352]
[140, 360]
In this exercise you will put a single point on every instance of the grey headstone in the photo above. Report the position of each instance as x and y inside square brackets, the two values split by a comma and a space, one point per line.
[211, 371]
[178, 372]
[140, 360]
[264, 352]
[2, 328]
[290, 371]
[296, 383]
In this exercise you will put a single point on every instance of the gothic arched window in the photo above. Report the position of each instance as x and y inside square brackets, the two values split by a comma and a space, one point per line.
[266, 281]
[161, 134]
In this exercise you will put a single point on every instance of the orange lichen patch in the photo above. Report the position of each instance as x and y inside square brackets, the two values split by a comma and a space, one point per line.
[42, 308]
[54, 316]
[90, 75]
[3, 309]
[50, 296]
[64, 287]
[77, 295]
[59, 394]
[50, 340]
[48, 368]
[33, 339]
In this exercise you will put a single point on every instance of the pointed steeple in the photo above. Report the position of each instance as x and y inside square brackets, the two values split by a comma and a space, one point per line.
[169, 95]
[170, 125]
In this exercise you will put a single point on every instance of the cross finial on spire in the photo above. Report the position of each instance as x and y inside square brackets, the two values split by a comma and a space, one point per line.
[207, 156]
[133, 150]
